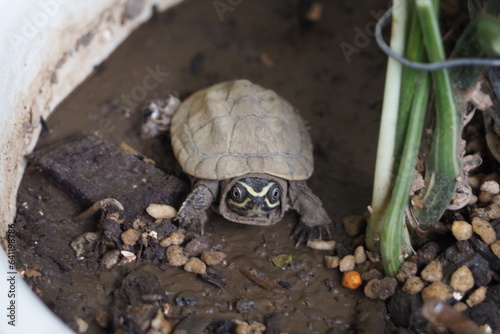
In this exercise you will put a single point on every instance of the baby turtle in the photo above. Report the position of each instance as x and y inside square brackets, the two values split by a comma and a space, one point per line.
[249, 154]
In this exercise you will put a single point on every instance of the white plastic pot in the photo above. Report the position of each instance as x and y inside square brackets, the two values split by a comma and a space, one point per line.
[47, 48]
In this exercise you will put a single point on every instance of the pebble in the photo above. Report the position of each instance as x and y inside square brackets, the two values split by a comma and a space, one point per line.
[347, 263]
[245, 328]
[195, 265]
[381, 288]
[484, 197]
[352, 280]
[477, 297]
[197, 246]
[160, 325]
[491, 187]
[175, 238]
[213, 258]
[437, 290]
[83, 326]
[245, 305]
[474, 181]
[332, 261]
[138, 224]
[472, 200]
[417, 202]
[359, 255]
[495, 248]
[354, 225]
[484, 229]
[371, 274]
[102, 319]
[321, 244]
[461, 230]
[186, 297]
[427, 253]
[408, 269]
[127, 257]
[369, 289]
[373, 257]
[460, 306]
[492, 211]
[130, 236]
[176, 256]
[413, 285]
[417, 183]
[462, 280]
[315, 13]
[110, 259]
[84, 244]
[161, 211]
[433, 272]
[28, 272]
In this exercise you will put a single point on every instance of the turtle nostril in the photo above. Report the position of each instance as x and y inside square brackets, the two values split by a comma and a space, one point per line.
[258, 201]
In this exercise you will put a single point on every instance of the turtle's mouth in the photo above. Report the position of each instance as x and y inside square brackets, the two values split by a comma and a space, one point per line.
[252, 208]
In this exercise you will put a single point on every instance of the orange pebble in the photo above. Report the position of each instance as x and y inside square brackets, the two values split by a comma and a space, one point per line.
[352, 280]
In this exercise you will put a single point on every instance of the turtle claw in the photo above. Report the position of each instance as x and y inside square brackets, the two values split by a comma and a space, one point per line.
[303, 233]
[191, 219]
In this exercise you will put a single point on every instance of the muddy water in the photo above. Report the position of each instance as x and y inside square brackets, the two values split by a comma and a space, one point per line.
[193, 46]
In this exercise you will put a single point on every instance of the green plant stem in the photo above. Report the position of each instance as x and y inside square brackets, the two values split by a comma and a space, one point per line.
[387, 133]
[414, 52]
[443, 164]
[395, 243]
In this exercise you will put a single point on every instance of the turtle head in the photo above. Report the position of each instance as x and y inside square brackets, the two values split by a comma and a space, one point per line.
[254, 197]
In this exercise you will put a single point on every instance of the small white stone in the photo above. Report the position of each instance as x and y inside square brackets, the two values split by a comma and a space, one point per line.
[321, 244]
[332, 261]
[413, 285]
[176, 256]
[175, 238]
[437, 290]
[495, 248]
[127, 258]
[213, 258]
[433, 272]
[130, 236]
[462, 280]
[461, 230]
[161, 211]
[347, 263]
[360, 255]
[477, 297]
[83, 326]
[460, 306]
[491, 187]
[484, 229]
[195, 265]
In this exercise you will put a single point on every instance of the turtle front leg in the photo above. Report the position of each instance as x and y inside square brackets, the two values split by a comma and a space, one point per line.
[314, 221]
[193, 213]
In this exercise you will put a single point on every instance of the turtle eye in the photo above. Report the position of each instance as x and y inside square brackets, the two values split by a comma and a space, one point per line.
[237, 193]
[274, 194]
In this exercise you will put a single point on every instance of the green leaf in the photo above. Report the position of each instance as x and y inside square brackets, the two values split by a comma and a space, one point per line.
[282, 260]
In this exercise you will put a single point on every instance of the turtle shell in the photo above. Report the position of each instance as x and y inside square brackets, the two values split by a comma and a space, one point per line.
[236, 128]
